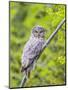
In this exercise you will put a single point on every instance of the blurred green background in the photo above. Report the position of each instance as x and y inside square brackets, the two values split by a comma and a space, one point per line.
[50, 68]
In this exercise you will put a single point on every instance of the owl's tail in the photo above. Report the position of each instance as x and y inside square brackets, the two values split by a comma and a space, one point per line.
[26, 70]
[22, 69]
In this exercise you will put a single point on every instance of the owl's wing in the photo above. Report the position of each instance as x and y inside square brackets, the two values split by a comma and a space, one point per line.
[31, 51]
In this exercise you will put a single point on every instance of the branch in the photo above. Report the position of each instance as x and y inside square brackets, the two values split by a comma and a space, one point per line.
[24, 79]
[54, 33]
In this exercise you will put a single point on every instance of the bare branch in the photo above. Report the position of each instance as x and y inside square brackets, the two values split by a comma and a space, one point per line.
[54, 33]
[24, 79]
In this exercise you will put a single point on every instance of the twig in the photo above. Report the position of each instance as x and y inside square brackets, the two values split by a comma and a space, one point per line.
[24, 79]
[54, 33]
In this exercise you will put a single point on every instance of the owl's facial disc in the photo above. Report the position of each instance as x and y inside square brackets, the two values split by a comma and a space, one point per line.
[38, 32]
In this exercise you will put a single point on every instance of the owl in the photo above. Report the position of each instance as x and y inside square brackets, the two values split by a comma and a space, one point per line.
[32, 49]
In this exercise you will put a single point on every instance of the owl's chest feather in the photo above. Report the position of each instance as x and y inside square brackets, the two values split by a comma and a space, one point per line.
[33, 46]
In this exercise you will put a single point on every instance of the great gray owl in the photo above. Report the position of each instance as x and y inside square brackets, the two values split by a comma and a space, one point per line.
[32, 49]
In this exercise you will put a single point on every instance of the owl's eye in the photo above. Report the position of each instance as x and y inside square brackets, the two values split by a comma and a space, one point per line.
[41, 31]
[36, 31]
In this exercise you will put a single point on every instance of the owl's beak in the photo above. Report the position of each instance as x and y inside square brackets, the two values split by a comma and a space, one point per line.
[38, 36]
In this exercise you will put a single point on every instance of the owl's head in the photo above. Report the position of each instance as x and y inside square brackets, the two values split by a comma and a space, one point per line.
[38, 31]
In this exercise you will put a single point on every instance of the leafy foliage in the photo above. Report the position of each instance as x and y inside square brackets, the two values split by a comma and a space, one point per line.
[50, 68]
